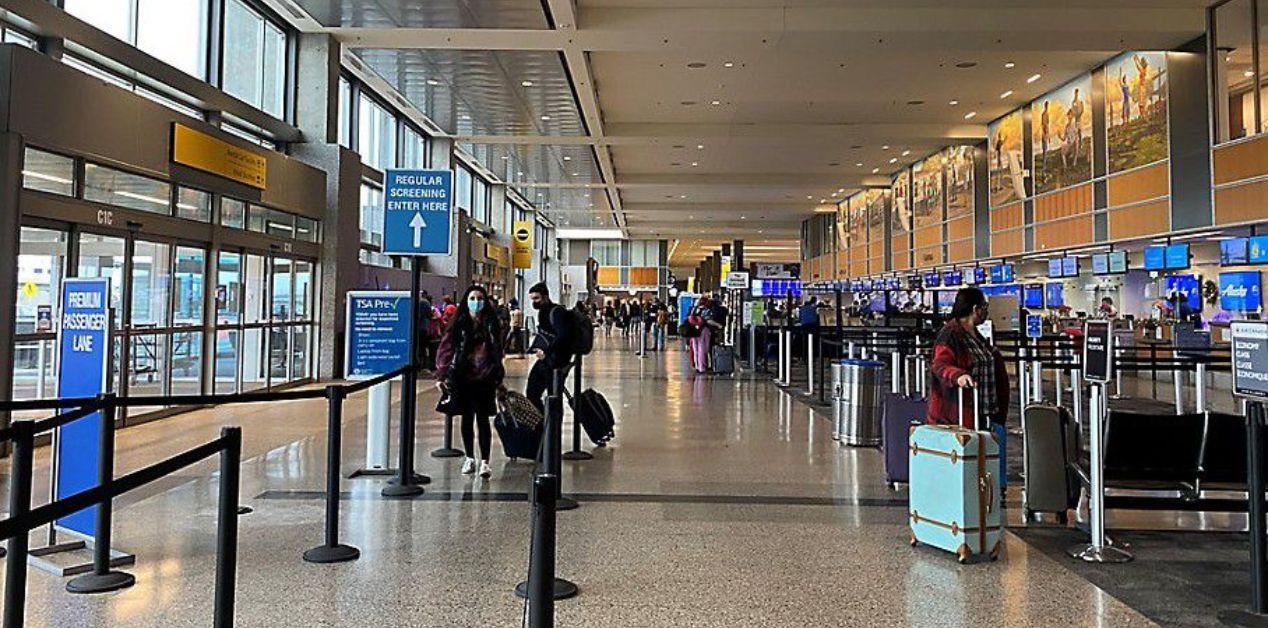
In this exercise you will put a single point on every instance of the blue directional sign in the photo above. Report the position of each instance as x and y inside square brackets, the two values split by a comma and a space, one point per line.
[83, 371]
[378, 333]
[1034, 326]
[418, 212]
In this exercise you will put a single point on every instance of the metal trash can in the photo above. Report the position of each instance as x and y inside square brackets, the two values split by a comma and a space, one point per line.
[857, 412]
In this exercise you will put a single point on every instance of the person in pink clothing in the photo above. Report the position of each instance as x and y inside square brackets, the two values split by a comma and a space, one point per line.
[700, 318]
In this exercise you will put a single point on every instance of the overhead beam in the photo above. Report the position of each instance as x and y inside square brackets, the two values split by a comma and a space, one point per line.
[652, 133]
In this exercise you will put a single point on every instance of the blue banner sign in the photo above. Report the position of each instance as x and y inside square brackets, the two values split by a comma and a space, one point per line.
[418, 212]
[378, 333]
[83, 371]
[1240, 291]
[1034, 326]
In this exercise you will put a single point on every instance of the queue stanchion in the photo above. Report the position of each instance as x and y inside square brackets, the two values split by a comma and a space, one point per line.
[779, 366]
[406, 483]
[103, 579]
[896, 372]
[1199, 386]
[577, 452]
[1177, 385]
[553, 449]
[331, 551]
[20, 480]
[448, 450]
[823, 366]
[227, 527]
[1098, 371]
[810, 362]
[1118, 378]
[543, 587]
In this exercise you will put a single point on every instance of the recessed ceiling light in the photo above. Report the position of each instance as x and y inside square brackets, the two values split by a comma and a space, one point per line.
[526, 83]
[875, 170]
[859, 165]
[1006, 94]
[906, 152]
[840, 190]
[810, 198]
[716, 103]
[1248, 73]
[823, 200]
[1010, 65]
[576, 174]
[433, 82]
[696, 65]
[694, 164]
[954, 103]
[505, 157]
[964, 65]
[567, 158]
[519, 174]
[893, 160]
[546, 117]
[1034, 77]
[699, 146]
[743, 218]
[970, 115]
[885, 147]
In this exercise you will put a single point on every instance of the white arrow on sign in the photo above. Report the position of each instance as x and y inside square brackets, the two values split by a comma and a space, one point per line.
[418, 224]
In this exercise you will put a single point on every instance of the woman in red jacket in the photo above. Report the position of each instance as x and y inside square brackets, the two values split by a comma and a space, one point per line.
[469, 371]
[962, 358]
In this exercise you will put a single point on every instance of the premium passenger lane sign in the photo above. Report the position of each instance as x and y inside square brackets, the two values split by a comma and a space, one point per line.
[1098, 352]
[83, 363]
[418, 212]
[1250, 358]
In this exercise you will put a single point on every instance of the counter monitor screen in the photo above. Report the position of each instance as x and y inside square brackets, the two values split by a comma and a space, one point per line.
[1257, 250]
[1117, 262]
[1054, 294]
[914, 282]
[1177, 256]
[1240, 291]
[953, 279]
[1234, 252]
[1054, 268]
[1032, 297]
[1155, 258]
[1070, 266]
[1100, 264]
[933, 280]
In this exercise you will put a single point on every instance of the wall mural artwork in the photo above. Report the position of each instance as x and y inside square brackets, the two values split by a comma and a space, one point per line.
[1061, 128]
[1136, 109]
[926, 195]
[1007, 160]
[959, 160]
[902, 208]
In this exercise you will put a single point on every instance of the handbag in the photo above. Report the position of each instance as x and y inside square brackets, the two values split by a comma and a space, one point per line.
[687, 330]
[448, 403]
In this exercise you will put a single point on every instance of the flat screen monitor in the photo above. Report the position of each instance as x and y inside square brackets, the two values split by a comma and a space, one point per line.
[1070, 266]
[979, 275]
[914, 282]
[1235, 251]
[1032, 296]
[946, 300]
[1002, 274]
[1100, 264]
[1177, 256]
[1054, 294]
[1155, 257]
[867, 285]
[1054, 268]
[970, 277]
[933, 280]
[895, 283]
[1184, 292]
[1117, 262]
[1257, 252]
[1240, 291]
[953, 279]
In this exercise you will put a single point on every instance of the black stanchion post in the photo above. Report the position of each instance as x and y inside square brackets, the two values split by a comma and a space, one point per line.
[447, 451]
[1258, 614]
[577, 452]
[227, 527]
[823, 363]
[102, 579]
[332, 551]
[554, 438]
[406, 483]
[20, 480]
[542, 587]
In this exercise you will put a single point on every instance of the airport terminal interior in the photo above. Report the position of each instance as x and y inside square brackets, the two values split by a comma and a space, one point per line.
[633, 313]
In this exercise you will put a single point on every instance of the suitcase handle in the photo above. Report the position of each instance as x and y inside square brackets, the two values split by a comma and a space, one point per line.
[977, 413]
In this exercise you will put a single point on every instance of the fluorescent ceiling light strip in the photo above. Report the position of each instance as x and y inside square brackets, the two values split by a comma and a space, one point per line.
[45, 177]
[142, 197]
[589, 234]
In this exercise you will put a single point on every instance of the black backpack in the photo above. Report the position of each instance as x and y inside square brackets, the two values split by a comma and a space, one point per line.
[582, 333]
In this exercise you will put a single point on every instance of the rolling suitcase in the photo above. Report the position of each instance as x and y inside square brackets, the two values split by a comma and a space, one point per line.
[519, 425]
[723, 359]
[1051, 439]
[954, 497]
[591, 409]
[901, 414]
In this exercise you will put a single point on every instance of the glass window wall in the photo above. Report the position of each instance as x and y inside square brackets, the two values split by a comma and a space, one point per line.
[1234, 68]
[48, 172]
[254, 65]
[123, 189]
[193, 204]
[376, 134]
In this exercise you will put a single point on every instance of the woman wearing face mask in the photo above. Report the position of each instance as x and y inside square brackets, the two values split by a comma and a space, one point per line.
[469, 368]
[962, 358]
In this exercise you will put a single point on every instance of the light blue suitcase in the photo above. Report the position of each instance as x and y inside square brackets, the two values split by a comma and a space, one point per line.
[954, 490]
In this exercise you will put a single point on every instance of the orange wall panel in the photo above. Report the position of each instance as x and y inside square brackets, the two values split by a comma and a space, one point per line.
[960, 251]
[1070, 232]
[1008, 242]
[1007, 217]
[1243, 160]
[1141, 220]
[929, 256]
[960, 228]
[609, 276]
[1064, 204]
[1243, 203]
[644, 277]
[928, 236]
[901, 260]
[1139, 185]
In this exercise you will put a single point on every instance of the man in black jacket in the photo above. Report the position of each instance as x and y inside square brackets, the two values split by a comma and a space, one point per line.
[553, 345]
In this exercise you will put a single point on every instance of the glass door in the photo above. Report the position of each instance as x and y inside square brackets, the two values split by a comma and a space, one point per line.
[41, 266]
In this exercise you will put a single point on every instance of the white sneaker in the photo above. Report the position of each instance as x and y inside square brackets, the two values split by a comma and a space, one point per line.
[469, 466]
[485, 471]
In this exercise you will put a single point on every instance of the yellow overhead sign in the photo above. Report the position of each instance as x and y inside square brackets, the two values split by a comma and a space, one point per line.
[201, 151]
[522, 244]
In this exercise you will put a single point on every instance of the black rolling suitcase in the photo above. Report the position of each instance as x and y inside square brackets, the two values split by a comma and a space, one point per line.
[592, 411]
[519, 425]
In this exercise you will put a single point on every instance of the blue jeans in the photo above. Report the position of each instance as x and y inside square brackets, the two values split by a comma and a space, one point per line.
[658, 338]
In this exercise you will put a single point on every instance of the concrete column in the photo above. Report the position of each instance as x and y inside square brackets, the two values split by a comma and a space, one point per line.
[737, 255]
[10, 240]
[317, 97]
[715, 270]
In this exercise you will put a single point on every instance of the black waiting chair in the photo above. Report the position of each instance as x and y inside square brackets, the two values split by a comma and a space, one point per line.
[1154, 451]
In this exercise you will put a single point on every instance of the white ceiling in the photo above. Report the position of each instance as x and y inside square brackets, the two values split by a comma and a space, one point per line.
[815, 88]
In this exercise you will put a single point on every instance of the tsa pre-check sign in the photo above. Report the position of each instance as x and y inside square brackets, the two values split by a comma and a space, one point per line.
[378, 333]
[418, 212]
[84, 362]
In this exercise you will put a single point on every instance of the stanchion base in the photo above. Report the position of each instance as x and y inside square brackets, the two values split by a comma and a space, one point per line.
[245, 510]
[1243, 619]
[578, 455]
[447, 452]
[401, 491]
[566, 503]
[1107, 555]
[563, 589]
[418, 479]
[332, 554]
[101, 583]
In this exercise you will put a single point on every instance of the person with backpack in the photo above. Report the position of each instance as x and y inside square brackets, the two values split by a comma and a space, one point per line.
[553, 344]
[469, 372]
[701, 318]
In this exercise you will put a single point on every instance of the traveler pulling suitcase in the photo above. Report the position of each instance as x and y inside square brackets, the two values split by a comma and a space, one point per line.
[1051, 439]
[519, 425]
[723, 359]
[901, 414]
[954, 495]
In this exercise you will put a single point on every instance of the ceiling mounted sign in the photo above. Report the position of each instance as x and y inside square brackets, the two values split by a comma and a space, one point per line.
[207, 153]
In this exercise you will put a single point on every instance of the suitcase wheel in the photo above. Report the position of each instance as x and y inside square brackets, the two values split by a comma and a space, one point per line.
[914, 542]
[1027, 516]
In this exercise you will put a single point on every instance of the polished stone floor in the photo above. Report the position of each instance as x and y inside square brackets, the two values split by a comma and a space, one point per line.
[722, 502]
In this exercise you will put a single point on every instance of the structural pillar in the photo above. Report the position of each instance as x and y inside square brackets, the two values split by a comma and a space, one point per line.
[737, 255]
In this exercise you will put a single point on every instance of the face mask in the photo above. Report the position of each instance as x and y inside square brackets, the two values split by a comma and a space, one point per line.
[474, 305]
[537, 305]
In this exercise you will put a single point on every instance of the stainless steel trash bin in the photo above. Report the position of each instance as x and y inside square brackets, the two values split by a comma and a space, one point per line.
[859, 406]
